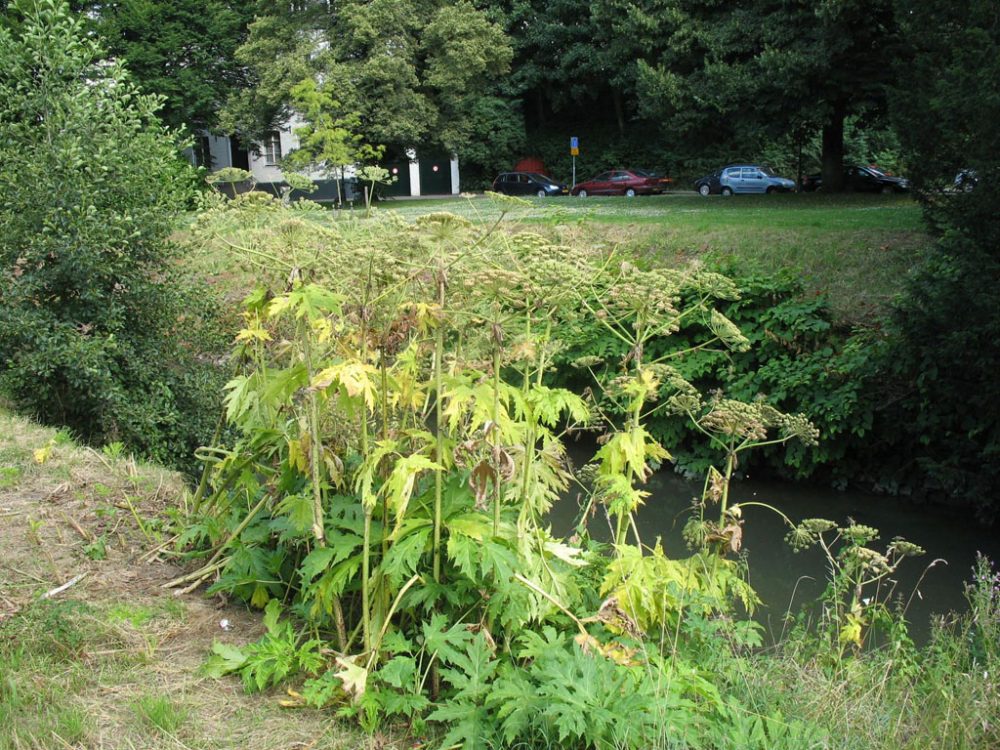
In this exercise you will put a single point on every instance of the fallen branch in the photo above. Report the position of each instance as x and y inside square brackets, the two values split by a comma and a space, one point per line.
[78, 528]
[215, 563]
[157, 549]
[59, 589]
[198, 575]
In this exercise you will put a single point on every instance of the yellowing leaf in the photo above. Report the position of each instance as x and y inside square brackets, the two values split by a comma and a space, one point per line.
[354, 377]
[851, 631]
[260, 596]
[323, 329]
[254, 333]
[297, 456]
[353, 677]
[278, 306]
[566, 553]
[42, 454]
[399, 486]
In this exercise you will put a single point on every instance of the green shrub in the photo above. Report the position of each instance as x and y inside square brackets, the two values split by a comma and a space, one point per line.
[945, 329]
[797, 361]
[95, 331]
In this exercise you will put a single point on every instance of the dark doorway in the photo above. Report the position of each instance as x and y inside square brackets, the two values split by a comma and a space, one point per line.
[239, 156]
[203, 152]
[401, 171]
[435, 174]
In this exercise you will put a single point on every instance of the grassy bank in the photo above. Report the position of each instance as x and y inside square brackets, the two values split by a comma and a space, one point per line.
[855, 248]
[112, 662]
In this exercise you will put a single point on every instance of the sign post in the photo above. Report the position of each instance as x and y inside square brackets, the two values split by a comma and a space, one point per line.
[574, 151]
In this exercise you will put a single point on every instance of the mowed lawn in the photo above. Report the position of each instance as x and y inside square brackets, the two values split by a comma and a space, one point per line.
[857, 249]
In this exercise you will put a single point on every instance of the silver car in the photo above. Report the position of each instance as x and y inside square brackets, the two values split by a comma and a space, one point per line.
[750, 178]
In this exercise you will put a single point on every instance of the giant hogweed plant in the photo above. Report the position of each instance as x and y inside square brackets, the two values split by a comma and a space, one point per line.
[859, 589]
[392, 448]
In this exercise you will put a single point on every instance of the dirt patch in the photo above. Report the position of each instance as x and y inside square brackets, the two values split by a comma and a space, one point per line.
[125, 674]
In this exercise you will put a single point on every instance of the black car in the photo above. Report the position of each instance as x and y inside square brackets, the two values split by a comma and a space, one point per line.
[862, 180]
[527, 183]
[709, 184]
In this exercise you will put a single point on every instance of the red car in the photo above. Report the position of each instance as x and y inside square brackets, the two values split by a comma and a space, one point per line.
[623, 182]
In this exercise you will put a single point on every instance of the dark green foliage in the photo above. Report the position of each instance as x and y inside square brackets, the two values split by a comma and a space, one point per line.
[270, 660]
[712, 82]
[948, 322]
[563, 696]
[800, 363]
[182, 50]
[797, 362]
[946, 100]
[95, 332]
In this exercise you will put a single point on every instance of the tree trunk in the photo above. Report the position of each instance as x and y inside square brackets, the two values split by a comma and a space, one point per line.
[540, 107]
[833, 150]
[616, 96]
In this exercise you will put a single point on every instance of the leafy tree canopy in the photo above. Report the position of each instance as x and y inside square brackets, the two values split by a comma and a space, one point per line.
[183, 50]
[412, 72]
[763, 67]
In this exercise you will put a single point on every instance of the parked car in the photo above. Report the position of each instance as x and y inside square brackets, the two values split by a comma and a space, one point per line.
[966, 180]
[527, 183]
[752, 178]
[627, 182]
[709, 184]
[862, 180]
[663, 180]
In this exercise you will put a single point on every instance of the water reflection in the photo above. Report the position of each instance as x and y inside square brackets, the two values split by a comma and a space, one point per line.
[788, 580]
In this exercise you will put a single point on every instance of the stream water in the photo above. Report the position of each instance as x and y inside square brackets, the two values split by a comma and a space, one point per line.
[931, 584]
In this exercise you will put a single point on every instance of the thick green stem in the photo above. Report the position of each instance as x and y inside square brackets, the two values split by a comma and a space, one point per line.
[529, 437]
[620, 529]
[496, 431]
[439, 424]
[385, 436]
[315, 446]
[625, 519]
[365, 572]
[368, 508]
[199, 493]
[724, 502]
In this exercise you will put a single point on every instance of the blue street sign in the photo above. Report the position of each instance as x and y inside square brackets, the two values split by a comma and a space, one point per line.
[574, 142]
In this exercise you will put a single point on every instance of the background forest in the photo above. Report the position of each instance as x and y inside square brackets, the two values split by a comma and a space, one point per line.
[678, 86]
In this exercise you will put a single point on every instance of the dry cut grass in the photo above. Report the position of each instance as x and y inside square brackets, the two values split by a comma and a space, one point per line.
[112, 662]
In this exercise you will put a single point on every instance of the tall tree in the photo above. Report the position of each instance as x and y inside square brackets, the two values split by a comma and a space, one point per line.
[414, 72]
[762, 65]
[183, 50]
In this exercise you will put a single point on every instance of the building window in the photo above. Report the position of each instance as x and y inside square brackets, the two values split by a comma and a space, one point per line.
[272, 148]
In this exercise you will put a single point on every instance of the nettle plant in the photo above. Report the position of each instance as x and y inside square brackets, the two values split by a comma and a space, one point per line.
[394, 449]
